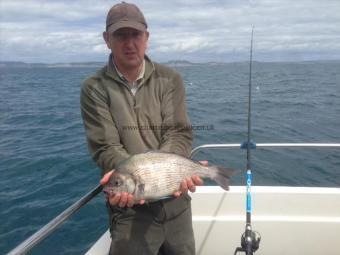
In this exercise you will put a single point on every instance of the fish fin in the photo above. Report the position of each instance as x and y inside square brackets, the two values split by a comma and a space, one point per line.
[141, 188]
[150, 151]
[166, 152]
[222, 176]
[140, 185]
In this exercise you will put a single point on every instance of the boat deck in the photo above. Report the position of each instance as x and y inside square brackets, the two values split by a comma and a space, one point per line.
[291, 220]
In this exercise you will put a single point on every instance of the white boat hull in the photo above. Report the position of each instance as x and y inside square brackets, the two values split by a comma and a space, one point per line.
[291, 220]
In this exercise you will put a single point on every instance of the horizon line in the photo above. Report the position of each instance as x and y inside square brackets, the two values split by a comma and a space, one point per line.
[169, 61]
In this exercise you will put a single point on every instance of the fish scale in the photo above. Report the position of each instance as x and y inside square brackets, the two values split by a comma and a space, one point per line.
[158, 179]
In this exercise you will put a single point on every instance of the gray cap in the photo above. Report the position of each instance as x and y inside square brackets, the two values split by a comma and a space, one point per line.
[125, 15]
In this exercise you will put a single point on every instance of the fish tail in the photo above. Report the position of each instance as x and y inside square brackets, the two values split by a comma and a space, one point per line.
[221, 176]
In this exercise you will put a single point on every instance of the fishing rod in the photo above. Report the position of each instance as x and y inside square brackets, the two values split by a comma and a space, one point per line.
[250, 239]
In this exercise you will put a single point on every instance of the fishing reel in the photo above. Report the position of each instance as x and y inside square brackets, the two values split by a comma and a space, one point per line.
[250, 242]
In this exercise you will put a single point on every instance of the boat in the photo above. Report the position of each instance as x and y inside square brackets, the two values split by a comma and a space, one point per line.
[289, 220]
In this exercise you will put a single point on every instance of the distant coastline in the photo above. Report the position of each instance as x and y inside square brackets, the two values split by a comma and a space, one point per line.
[174, 63]
[17, 64]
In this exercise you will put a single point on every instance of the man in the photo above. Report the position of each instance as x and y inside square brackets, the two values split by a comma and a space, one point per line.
[131, 106]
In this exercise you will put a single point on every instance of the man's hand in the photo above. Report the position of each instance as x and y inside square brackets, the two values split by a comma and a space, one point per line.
[119, 199]
[191, 183]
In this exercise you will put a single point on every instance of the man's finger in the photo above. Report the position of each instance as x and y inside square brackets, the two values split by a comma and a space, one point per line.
[190, 184]
[123, 200]
[204, 162]
[106, 177]
[177, 194]
[114, 200]
[184, 186]
[130, 200]
[197, 180]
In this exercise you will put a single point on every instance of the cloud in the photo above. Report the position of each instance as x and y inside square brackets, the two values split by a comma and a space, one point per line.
[38, 30]
[23, 10]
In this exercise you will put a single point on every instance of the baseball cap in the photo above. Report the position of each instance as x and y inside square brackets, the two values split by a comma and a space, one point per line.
[125, 15]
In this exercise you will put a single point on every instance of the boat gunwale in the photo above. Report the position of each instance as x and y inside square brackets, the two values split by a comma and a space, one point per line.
[30, 242]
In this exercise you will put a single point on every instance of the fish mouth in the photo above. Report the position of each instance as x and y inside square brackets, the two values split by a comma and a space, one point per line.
[108, 192]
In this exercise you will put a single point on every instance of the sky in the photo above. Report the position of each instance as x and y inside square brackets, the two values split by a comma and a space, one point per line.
[45, 31]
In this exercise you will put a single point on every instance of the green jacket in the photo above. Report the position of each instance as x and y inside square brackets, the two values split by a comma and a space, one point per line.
[119, 124]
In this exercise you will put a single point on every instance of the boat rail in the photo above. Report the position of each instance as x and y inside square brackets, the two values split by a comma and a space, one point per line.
[50, 227]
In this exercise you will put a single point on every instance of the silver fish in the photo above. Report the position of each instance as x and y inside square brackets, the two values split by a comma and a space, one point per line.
[155, 175]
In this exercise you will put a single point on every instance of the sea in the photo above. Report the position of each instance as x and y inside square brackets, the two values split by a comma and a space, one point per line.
[45, 166]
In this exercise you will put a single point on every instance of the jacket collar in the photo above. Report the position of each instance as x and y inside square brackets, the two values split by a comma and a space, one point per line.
[111, 70]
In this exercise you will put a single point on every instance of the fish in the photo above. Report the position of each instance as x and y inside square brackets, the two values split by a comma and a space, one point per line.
[155, 175]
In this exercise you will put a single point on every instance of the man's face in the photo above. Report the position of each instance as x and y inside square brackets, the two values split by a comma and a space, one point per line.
[128, 46]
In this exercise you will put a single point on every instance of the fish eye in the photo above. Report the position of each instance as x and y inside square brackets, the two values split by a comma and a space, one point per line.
[117, 182]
